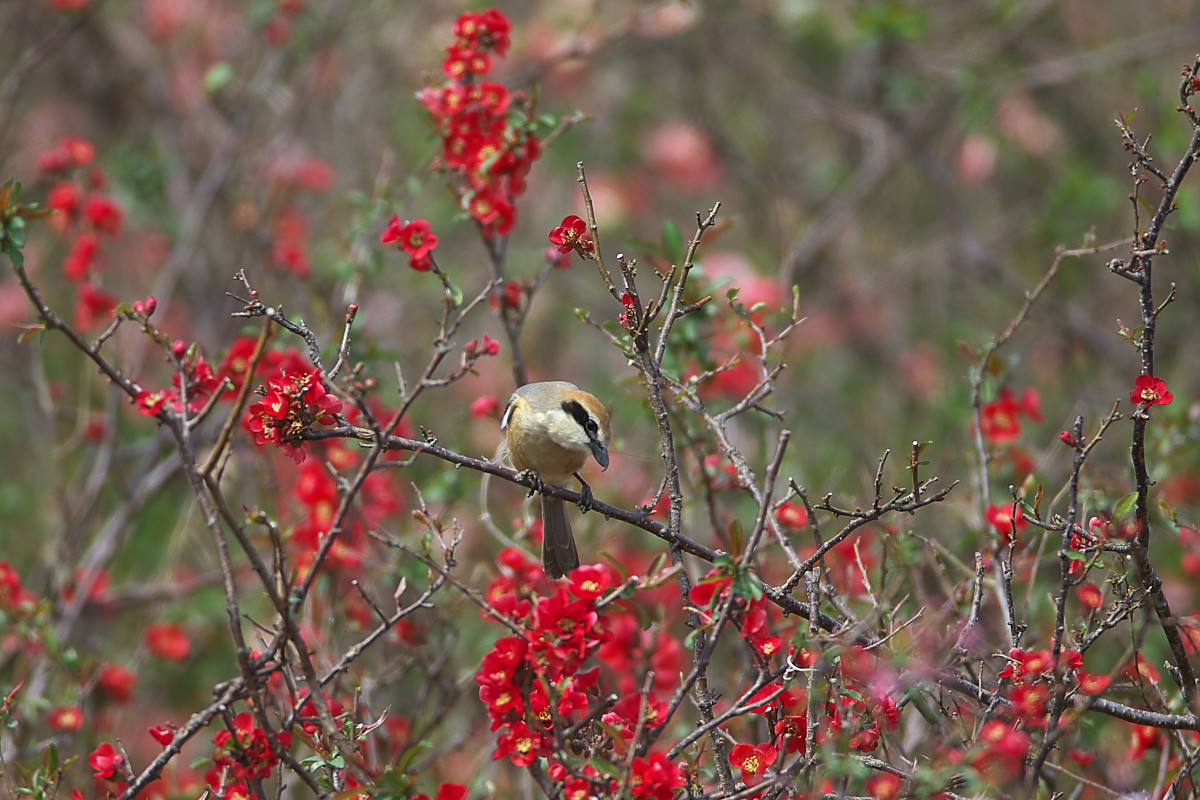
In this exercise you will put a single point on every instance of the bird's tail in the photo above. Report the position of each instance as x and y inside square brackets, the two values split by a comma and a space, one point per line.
[559, 556]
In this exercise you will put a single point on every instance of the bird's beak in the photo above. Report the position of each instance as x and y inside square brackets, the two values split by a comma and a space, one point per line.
[601, 454]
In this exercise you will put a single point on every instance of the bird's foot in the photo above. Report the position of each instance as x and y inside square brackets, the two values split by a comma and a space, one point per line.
[531, 479]
[585, 496]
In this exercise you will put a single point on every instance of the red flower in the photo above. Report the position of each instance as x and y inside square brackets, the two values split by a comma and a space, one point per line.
[655, 777]
[511, 295]
[116, 681]
[106, 761]
[64, 198]
[792, 731]
[792, 516]
[1092, 683]
[572, 234]
[1037, 662]
[163, 734]
[493, 211]
[590, 581]
[753, 761]
[865, 741]
[290, 235]
[884, 785]
[1141, 669]
[82, 256]
[93, 306]
[709, 589]
[104, 214]
[520, 743]
[1145, 738]
[1030, 702]
[998, 419]
[66, 718]
[1002, 516]
[447, 791]
[486, 405]
[79, 152]
[150, 403]
[167, 640]
[767, 646]
[1150, 391]
[1090, 596]
[1004, 750]
[415, 238]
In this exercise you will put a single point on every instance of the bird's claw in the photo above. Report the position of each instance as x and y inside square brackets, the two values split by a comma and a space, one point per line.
[531, 479]
[585, 496]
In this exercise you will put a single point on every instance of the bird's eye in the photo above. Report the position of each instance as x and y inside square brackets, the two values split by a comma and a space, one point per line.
[590, 426]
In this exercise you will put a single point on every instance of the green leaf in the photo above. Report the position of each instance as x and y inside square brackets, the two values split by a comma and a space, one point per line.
[50, 758]
[745, 585]
[737, 535]
[672, 242]
[1075, 555]
[1124, 505]
[15, 231]
[217, 76]
[407, 757]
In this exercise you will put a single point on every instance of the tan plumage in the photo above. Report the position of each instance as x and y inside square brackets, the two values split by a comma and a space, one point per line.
[551, 428]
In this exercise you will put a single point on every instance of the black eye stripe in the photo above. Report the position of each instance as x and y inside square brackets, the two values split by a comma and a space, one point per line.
[576, 410]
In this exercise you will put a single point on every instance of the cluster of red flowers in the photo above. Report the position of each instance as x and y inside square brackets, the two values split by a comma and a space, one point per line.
[294, 400]
[535, 683]
[193, 375]
[14, 597]
[275, 363]
[853, 717]
[85, 216]
[476, 348]
[487, 134]
[243, 753]
[317, 491]
[293, 403]
[999, 420]
[1031, 673]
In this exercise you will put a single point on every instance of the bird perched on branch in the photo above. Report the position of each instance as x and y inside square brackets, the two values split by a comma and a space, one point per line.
[550, 430]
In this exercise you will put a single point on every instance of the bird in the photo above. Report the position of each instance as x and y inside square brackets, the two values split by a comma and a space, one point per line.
[551, 428]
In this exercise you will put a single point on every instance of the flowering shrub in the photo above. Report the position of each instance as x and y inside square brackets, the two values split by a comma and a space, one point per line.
[272, 560]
